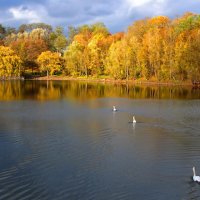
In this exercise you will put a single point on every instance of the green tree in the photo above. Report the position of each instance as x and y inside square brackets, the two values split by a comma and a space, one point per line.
[30, 27]
[58, 40]
[72, 31]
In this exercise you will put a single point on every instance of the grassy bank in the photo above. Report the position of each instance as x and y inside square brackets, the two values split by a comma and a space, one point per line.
[111, 80]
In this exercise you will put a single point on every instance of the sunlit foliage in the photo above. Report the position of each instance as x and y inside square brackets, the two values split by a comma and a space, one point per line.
[50, 62]
[10, 63]
[155, 49]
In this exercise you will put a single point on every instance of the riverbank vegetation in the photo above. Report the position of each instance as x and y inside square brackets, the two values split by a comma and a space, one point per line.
[154, 49]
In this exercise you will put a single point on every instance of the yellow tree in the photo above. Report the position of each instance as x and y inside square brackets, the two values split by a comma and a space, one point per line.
[96, 54]
[181, 54]
[155, 47]
[113, 61]
[119, 61]
[143, 58]
[186, 63]
[77, 55]
[156, 34]
[50, 62]
[131, 47]
[138, 39]
[193, 55]
[73, 59]
[82, 40]
[10, 63]
[168, 59]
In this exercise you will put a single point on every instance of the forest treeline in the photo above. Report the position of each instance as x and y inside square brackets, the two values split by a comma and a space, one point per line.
[158, 48]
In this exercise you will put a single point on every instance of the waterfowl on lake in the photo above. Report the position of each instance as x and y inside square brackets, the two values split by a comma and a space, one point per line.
[114, 109]
[134, 121]
[195, 177]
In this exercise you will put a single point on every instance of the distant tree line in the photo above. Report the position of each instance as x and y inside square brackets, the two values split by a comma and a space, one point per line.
[158, 48]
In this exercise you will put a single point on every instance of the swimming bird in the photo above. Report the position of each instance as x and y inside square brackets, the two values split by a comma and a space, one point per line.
[114, 109]
[195, 178]
[134, 121]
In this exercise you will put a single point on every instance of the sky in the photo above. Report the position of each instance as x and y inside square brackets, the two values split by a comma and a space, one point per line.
[117, 15]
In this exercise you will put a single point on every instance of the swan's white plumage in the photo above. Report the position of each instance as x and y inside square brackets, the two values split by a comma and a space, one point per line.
[114, 109]
[195, 177]
[134, 121]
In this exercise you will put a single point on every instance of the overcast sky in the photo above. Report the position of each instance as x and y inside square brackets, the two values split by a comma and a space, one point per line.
[115, 14]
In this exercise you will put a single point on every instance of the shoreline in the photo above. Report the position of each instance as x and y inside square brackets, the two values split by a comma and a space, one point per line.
[113, 81]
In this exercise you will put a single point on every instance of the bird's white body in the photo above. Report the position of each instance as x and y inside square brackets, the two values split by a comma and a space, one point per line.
[134, 121]
[195, 177]
[114, 109]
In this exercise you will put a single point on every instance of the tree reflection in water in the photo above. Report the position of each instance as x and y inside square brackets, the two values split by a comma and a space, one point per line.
[52, 90]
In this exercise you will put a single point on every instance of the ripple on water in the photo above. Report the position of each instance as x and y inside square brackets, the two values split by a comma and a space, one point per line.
[99, 158]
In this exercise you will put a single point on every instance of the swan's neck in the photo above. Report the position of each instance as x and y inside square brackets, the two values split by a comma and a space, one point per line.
[194, 172]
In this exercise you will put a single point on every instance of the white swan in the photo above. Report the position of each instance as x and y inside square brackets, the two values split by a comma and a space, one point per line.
[195, 177]
[134, 121]
[114, 109]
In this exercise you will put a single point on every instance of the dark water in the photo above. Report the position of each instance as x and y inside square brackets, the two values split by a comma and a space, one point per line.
[61, 140]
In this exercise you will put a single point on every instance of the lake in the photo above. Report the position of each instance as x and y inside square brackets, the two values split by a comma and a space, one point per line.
[61, 140]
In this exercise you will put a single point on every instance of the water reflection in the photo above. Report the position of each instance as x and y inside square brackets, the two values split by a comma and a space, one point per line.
[52, 90]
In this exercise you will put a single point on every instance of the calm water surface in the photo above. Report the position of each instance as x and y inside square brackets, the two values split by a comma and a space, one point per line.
[61, 140]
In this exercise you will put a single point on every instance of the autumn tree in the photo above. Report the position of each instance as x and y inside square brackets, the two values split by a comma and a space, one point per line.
[118, 61]
[28, 46]
[96, 54]
[73, 59]
[155, 49]
[10, 63]
[50, 62]
[193, 55]
[90, 45]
